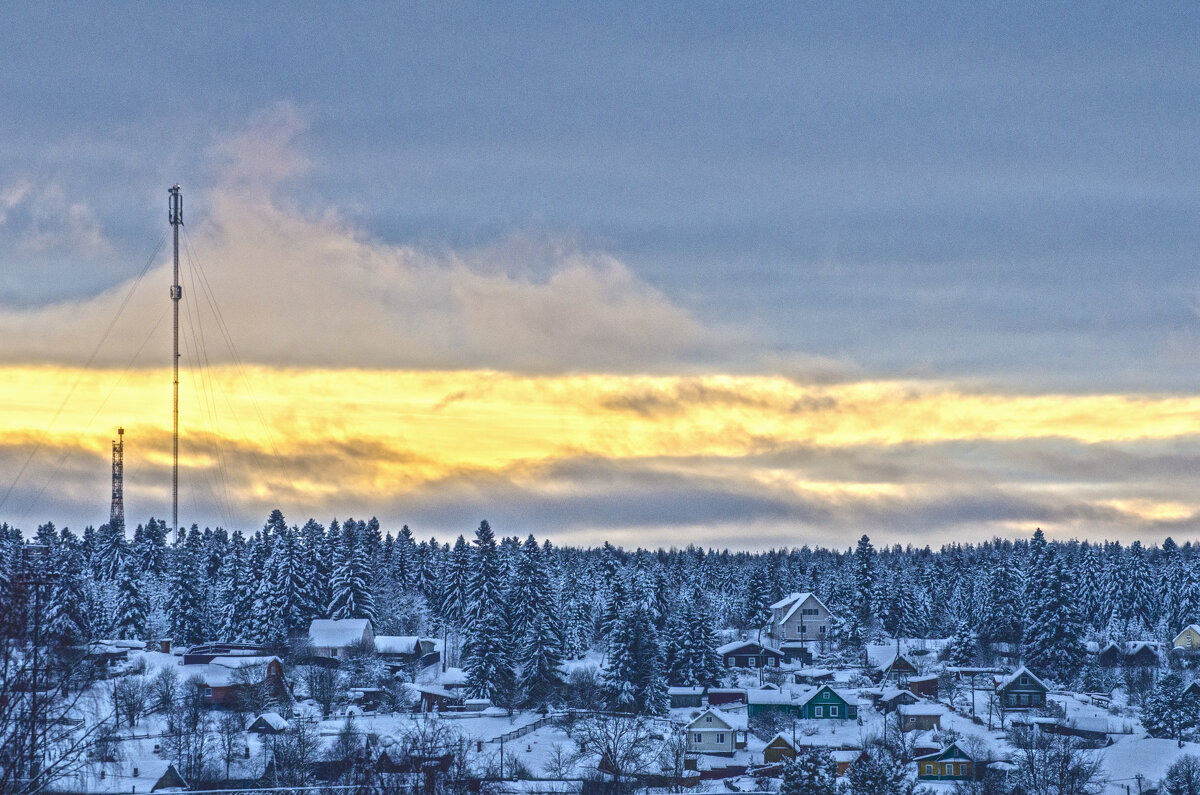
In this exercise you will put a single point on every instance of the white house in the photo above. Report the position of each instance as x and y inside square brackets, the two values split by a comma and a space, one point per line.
[715, 732]
[331, 637]
[799, 616]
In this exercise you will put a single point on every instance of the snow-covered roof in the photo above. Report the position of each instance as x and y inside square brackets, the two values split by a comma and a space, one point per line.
[1022, 671]
[888, 693]
[764, 696]
[397, 644]
[1193, 627]
[453, 676]
[922, 709]
[955, 746]
[731, 720]
[737, 644]
[847, 696]
[242, 661]
[786, 741]
[796, 601]
[272, 719]
[698, 690]
[337, 633]
[845, 755]
[881, 655]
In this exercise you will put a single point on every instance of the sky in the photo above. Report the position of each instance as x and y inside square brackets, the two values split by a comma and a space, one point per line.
[739, 275]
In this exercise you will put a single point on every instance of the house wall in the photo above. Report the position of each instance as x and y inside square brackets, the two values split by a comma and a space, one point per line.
[814, 626]
[777, 753]
[707, 741]
[1182, 641]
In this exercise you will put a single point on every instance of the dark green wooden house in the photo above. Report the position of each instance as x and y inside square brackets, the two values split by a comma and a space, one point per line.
[825, 703]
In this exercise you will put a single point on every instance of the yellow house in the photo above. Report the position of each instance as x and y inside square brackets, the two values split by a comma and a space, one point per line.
[1189, 639]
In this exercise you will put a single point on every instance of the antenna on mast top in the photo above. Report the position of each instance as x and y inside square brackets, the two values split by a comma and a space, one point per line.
[175, 216]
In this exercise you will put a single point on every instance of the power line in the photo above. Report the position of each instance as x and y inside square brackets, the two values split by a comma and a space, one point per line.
[79, 378]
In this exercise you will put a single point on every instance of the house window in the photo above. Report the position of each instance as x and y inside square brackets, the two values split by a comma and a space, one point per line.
[1024, 680]
[208, 691]
[720, 738]
[825, 696]
[821, 629]
[929, 770]
[804, 630]
[708, 718]
[819, 711]
[698, 738]
[752, 661]
[833, 712]
[1189, 640]
[771, 661]
[1012, 699]
[1024, 699]
[728, 662]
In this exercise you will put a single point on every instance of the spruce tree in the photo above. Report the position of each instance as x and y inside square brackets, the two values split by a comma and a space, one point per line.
[541, 681]
[633, 681]
[132, 605]
[1055, 644]
[812, 772]
[185, 606]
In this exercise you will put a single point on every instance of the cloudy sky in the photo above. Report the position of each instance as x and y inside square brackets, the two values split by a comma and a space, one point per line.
[741, 275]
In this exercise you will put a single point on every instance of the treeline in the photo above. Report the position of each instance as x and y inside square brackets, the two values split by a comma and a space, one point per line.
[512, 611]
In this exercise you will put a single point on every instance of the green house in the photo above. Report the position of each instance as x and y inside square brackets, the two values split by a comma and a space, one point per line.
[769, 700]
[825, 703]
[949, 764]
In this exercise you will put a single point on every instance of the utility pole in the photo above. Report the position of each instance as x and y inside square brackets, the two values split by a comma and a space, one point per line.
[176, 218]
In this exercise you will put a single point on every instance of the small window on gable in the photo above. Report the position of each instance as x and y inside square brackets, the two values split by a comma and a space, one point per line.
[825, 696]
[708, 718]
[1024, 680]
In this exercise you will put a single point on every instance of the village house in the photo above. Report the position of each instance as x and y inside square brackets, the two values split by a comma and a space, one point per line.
[797, 651]
[890, 698]
[1189, 639]
[204, 653]
[406, 651]
[924, 686]
[845, 757]
[223, 680]
[749, 654]
[716, 732]
[719, 696]
[770, 700]
[1021, 690]
[779, 749]
[949, 764]
[332, 637]
[799, 616]
[825, 703]
[685, 696]
[920, 717]
[1131, 654]
[268, 723]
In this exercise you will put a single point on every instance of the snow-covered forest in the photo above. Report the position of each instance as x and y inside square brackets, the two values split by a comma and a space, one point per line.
[518, 606]
[534, 628]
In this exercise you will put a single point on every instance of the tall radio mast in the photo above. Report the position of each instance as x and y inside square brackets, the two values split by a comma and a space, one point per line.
[116, 513]
[176, 218]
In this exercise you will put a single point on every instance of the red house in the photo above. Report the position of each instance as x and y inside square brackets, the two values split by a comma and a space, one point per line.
[222, 680]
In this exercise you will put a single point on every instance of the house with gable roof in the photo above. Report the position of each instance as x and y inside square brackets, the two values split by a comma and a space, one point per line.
[799, 616]
[949, 764]
[1189, 639]
[716, 732]
[749, 654]
[779, 749]
[1021, 690]
[332, 637]
[825, 703]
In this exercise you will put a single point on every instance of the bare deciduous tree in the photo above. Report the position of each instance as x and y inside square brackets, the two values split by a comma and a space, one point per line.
[619, 746]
